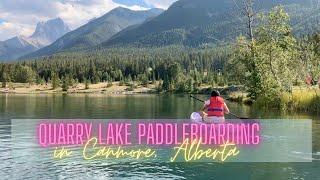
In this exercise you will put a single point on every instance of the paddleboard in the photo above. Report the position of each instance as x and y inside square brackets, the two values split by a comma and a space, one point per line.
[195, 117]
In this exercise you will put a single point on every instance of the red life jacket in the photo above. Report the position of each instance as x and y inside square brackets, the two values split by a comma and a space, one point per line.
[216, 107]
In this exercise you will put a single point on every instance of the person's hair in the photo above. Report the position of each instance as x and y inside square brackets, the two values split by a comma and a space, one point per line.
[215, 93]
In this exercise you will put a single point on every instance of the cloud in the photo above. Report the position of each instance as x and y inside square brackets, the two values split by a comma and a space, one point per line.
[164, 4]
[21, 16]
[9, 30]
[141, 3]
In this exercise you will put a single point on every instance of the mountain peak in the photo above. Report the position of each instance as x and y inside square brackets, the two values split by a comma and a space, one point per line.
[120, 8]
[45, 33]
[17, 41]
[123, 9]
[49, 31]
[55, 20]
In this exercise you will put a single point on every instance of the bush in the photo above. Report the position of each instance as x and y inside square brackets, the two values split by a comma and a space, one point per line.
[109, 84]
[131, 88]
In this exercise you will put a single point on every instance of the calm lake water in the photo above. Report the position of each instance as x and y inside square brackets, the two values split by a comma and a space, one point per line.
[136, 107]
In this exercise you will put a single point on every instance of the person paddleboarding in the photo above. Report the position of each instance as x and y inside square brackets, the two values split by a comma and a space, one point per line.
[214, 109]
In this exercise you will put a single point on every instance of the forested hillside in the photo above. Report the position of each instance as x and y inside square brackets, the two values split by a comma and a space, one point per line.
[97, 31]
[203, 22]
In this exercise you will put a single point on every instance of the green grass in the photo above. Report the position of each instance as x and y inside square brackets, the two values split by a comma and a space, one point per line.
[305, 99]
[302, 99]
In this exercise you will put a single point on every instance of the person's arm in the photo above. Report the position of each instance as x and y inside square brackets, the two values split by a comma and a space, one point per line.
[205, 105]
[203, 112]
[226, 109]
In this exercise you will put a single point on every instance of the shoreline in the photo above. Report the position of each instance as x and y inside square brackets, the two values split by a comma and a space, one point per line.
[104, 88]
[302, 99]
[100, 88]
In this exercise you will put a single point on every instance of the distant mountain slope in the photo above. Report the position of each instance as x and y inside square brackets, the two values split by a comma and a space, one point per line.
[304, 20]
[196, 22]
[15, 47]
[98, 30]
[45, 34]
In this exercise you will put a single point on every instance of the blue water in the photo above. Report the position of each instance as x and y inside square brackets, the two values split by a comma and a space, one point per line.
[143, 107]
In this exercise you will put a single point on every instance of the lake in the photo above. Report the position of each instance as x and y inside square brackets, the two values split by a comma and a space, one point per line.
[96, 106]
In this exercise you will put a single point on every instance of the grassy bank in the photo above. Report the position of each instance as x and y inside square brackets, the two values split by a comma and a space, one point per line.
[302, 99]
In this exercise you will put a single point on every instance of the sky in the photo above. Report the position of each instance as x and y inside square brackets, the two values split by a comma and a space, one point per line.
[19, 17]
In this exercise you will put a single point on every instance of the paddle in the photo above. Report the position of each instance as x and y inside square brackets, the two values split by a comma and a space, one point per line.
[238, 117]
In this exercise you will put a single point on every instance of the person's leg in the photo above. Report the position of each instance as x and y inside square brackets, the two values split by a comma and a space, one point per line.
[221, 119]
[204, 115]
[214, 119]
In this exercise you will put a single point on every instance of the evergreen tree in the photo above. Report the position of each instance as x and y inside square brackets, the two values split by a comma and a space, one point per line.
[4, 80]
[55, 80]
[166, 83]
[69, 80]
[65, 85]
[86, 84]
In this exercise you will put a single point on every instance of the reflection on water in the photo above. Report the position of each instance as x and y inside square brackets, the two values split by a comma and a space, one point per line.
[135, 107]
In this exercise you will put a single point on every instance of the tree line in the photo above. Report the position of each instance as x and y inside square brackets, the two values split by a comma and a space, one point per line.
[176, 68]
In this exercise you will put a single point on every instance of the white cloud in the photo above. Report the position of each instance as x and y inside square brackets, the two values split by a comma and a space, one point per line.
[164, 4]
[21, 16]
[77, 13]
[9, 30]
